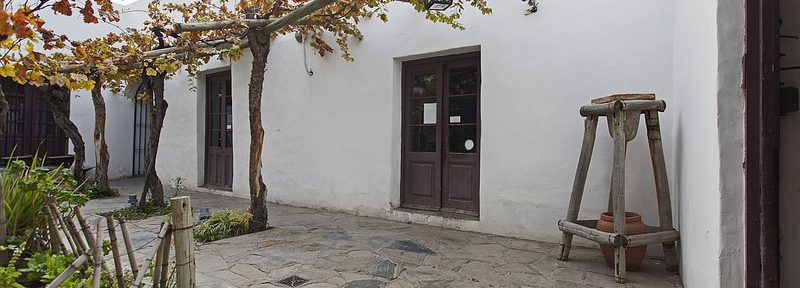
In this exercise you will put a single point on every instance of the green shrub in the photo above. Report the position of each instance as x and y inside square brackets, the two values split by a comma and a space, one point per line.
[96, 192]
[138, 213]
[222, 224]
[28, 188]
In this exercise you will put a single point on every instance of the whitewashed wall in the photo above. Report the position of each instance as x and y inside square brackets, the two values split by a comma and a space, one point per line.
[333, 139]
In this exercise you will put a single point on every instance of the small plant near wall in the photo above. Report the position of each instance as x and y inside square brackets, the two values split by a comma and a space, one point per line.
[94, 191]
[177, 185]
[137, 212]
[221, 225]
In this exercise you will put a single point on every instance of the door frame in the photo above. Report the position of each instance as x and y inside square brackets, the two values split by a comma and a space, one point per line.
[438, 62]
[206, 118]
[762, 139]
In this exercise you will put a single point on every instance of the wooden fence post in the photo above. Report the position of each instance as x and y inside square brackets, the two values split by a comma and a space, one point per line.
[98, 255]
[112, 235]
[184, 242]
[123, 226]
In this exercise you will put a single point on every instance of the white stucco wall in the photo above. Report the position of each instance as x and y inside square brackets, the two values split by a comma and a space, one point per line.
[696, 154]
[709, 45]
[119, 130]
[333, 139]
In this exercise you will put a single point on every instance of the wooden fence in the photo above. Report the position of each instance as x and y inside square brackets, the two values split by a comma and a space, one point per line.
[88, 246]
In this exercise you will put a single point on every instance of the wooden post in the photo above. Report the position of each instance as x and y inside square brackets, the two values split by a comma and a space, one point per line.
[55, 239]
[123, 226]
[76, 236]
[618, 192]
[579, 183]
[662, 186]
[60, 219]
[145, 265]
[112, 235]
[165, 260]
[98, 255]
[71, 269]
[184, 242]
[87, 230]
[158, 261]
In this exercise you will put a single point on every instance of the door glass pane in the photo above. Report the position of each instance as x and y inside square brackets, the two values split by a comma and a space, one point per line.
[216, 138]
[216, 102]
[228, 87]
[463, 138]
[418, 112]
[463, 80]
[215, 121]
[463, 110]
[229, 138]
[423, 84]
[423, 138]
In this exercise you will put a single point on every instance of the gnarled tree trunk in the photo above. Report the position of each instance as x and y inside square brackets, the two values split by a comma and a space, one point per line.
[259, 46]
[158, 111]
[100, 147]
[57, 99]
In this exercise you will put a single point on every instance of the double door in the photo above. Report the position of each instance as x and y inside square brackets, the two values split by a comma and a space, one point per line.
[441, 134]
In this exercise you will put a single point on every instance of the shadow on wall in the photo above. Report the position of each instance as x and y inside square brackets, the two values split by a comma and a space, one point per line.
[675, 177]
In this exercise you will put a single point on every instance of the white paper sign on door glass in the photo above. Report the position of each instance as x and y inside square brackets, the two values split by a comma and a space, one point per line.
[429, 113]
[455, 119]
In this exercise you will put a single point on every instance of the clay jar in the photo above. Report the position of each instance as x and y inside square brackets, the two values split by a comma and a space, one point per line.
[633, 226]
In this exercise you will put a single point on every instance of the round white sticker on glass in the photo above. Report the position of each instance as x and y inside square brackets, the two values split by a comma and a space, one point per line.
[469, 144]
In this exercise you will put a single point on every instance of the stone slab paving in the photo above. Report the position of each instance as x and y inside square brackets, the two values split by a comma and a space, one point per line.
[338, 250]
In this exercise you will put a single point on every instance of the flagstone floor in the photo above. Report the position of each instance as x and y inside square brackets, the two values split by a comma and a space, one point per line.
[339, 250]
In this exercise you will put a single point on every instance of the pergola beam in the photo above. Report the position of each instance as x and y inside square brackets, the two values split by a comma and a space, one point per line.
[206, 26]
[269, 25]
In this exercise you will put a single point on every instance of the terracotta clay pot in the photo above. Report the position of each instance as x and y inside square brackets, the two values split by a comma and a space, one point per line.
[633, 226]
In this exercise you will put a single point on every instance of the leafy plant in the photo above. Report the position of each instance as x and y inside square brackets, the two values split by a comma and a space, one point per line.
[44, 267]
[9, 273]
[222, 224]
[28, 188]
[138, 213]
[177, 185]
[95, 191]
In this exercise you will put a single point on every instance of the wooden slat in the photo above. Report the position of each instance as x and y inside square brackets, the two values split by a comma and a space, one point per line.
[629, 96]
[591, 233]
[653, 238]
[579, 183]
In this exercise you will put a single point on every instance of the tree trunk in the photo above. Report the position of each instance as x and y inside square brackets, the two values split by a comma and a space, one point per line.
[157, 113]
[259, 46]
[57, 99]
[100, 146]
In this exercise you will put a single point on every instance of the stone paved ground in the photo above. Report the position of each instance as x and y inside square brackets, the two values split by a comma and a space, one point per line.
[339, 250]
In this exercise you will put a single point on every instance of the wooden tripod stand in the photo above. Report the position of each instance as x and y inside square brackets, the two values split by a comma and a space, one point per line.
[623, 112]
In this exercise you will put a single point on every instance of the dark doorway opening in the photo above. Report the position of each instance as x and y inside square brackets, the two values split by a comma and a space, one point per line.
[141, 135]
[441, 134]
[219, 131]
[29, 124]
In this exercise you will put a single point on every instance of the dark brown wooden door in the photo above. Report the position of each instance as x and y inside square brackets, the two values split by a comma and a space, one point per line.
[219, 131]
[30, 127]
[441, 134]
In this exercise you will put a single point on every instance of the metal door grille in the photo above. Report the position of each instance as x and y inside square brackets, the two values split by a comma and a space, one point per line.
[141, 133]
